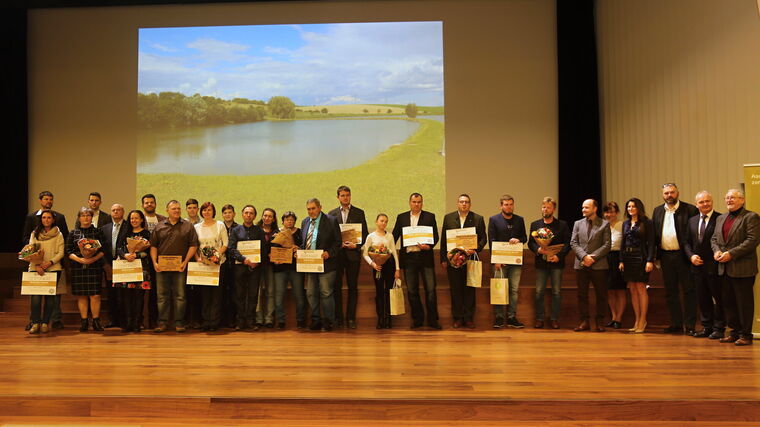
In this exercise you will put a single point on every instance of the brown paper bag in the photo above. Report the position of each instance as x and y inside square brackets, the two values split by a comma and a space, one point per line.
[474, 272]
[499, 286]
[397, 299]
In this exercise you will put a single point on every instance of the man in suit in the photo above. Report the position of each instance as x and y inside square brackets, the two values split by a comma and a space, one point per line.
[671, 223]
[591, 242]
[349, 258]
[704, 269]
[734, 245]
[320, 231]
[462, 296]
[30, 222]
[99, 218]
[418, 260]
[113, 231]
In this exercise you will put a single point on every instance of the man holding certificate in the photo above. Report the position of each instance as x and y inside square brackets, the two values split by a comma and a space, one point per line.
[470, 235]
[173, 244]
[418, 231]
[353, 227]
[246, 250]
[321, 243]
[506, 227]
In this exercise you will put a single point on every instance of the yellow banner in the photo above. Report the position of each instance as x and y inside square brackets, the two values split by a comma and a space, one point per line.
[752, 202]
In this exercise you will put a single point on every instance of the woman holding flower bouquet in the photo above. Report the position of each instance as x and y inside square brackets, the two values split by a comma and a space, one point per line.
[47, 258]
[380, 252]
[134, 245]
[83, 249]
[213, 239]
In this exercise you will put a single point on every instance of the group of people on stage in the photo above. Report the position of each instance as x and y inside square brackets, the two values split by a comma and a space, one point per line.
[708, 256]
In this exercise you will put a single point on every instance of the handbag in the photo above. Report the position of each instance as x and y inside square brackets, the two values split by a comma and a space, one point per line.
[397, 298]
[499, 286]
[474, 271]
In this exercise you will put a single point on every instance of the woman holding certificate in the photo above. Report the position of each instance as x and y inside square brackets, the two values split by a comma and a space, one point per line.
[83, 249]
[50, 241]
[637, 258]
[265, 313]
[134, 248]
[380, 252]
[288, 239]
[213, 239]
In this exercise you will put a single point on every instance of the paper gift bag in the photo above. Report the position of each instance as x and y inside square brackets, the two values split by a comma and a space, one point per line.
[474, 272]
[397, 299]
[499, 286]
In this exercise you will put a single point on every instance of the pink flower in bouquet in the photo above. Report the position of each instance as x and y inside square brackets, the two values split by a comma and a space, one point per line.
[457, 257]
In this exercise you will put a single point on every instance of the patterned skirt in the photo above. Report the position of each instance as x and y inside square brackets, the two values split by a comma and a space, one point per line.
[86, 281]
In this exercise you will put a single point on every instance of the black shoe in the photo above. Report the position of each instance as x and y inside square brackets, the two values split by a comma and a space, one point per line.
[112, 325]
[29, 326]
[617, 325]
[315, 326]
[690, 332]
[610, 325]
[415, 326]
[84, 326]
[388, 323]
[435, 325]
[498, 324]
[96, 326]
[281, 326]
[352, 324]
[57, 324]
[380, 324]
[327, 327]
[269, 325]
[512, 322]
[704, 333]
[300, 324]
[673, 330]
[716, 335]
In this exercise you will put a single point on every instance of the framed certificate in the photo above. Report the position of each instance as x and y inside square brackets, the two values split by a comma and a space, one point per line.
[282, 255]
[461, 238]
[34, 284]
[199, 273]
[506, 253]
[169, 262]
[422, 234]
[310, 261]
[351, 233]
[125, 271]
[250, 249]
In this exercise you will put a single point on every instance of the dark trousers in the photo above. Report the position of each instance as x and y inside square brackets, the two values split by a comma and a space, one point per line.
[211, 297]
[229, 306]
[247, 288]
[113, 296]
[412, 273]
[739, 303]
[462, 296]
[194, 299]
[599, 279]
[349, 269]
[710, 300]
[152, 300]
[131, 309]
[675, 271]
[383, 286]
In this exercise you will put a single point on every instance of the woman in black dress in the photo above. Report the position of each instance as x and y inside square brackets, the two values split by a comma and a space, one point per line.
[83, 249]
[131, 294]
[637, 258]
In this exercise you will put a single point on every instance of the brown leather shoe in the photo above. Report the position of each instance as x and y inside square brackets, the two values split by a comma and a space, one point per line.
[582, 327]
[599, 327]
[743, 341]
[555, 324]
[539, 324]
[729, 339]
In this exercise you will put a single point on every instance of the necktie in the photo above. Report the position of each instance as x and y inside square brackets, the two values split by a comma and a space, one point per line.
[310, 233]
[702, 227]
[114, 236]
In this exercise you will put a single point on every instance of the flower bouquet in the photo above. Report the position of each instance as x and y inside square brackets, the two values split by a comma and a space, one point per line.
[543, 236]
[379, 254]
[210, 255]
[457, 257]
[137, 244]
[88, 247]
[31, 253]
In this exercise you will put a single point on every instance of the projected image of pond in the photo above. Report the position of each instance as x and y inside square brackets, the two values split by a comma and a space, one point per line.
[265, 148]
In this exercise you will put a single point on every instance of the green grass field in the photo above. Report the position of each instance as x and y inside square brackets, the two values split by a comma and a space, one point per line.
[382, 184]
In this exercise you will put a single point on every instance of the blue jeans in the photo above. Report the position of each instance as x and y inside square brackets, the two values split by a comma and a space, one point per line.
[281, 279]
[265, 308]
[412, 274]
[40, 316]
[542, 275]
[319, 291]
[512, 273]
[170, 287]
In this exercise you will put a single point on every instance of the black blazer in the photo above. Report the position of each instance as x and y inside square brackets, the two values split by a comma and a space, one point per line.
[403, 220]
[647, 244]
[451, 221]
[692, 246]
[103, 219]
[355, 216]
[32, 219]
[107, 229]
[328, 238]
[682, 215]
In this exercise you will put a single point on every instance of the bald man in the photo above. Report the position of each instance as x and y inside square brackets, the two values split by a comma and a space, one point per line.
[114, 230]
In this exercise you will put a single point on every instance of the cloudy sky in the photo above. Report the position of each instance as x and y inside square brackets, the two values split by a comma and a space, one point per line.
[315, 64]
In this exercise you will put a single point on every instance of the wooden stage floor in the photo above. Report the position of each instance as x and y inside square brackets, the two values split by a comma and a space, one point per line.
[484, 376]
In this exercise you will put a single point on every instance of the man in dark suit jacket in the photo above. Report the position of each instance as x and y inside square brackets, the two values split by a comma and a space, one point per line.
[704, 269]
[113, 231]
[418, 261]
[349, 258]
[100, 218]
[462, 296]
[591, 242]
[671, 223]
[734, 246]
[320, 231]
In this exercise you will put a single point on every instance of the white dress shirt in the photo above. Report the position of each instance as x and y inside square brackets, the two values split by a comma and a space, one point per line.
[669, 241]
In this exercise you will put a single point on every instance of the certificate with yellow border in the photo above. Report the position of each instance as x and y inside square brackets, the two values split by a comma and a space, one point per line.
[34, 284]
[419, 234]
[461, 238]
[199, 273]
[125, 271]
[310, 261]
[250, 249]
[506, 253]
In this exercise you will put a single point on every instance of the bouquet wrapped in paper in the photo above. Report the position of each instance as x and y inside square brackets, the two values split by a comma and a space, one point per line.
[543, 236]
[284, 238]
[137, 244]
[379, 254]
[210, 255]
[457, 257]
[88, 247]
[31, 253]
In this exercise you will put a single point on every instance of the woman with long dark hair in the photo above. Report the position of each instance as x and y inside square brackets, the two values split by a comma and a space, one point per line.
[131, 294]
[50, 239]
[637, 250]
[265, 313]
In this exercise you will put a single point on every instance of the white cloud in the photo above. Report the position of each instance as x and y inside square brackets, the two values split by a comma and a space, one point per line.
[345, 99]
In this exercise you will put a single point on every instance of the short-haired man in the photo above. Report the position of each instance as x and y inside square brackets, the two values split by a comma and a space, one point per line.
[192, 206]
[320, 231]
[99, 218]
[174, 237]
[549, 267]
[591, 241]
[152, 219]
[671, 224]
[247, 273]
[193, 292]
[506, 226]
[349, 258]
[418, 261]
[113, 232]
[734, 245]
